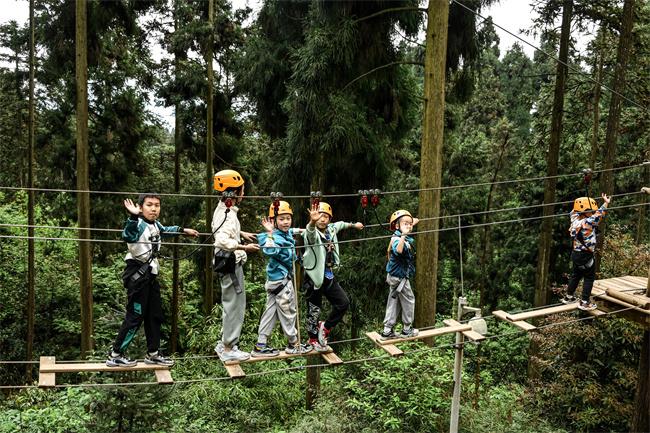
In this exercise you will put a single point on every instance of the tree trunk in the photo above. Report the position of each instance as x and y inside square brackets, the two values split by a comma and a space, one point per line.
[487, 228]
[614, 115]
[83, 184]
[596, 101]
[208, 298]
[546, 234]
[431, 161]
[177, 188]
[641, 417]
[31, 291]
[643, 199]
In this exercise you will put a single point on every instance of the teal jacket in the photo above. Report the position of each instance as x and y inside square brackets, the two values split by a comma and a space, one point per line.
[315, 252]
[280, 249]
[401, 265]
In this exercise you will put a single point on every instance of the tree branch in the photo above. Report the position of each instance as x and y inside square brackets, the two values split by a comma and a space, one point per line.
[385, 11]
[387, 65]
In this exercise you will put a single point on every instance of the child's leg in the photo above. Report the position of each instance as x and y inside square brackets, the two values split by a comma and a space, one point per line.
[407, 301]
[286, 302]
[314, 303]
[340, 303]
[576, 275]
[588, 284]
[233, 298]
[153, 317]
[136, 305]
[392, 305]
[267, 321]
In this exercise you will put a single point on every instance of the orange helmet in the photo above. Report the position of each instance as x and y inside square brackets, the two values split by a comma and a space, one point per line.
[225, 179]
[283, 208]
[325, 208]
[584, 204]
[396, 216]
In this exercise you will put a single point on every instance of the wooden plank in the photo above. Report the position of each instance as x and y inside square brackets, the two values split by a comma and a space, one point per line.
[500, 314]
[622, 303]
[621, 285]
[429, 333]
[390, 348]
[164, 377]
[45, 379]
[235, 371]
[641, 301]
[281, 355]
[472, 335]
[331, 358]
[640, 282]
[88, 367]
[542, 312]
[596, 313]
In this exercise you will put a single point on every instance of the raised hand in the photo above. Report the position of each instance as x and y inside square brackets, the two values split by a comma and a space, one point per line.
[134, 209]
[314, 214]
[267, 224]
[606, 198]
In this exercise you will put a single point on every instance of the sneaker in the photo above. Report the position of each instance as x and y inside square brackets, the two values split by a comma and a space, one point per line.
[157, 359]
[323, 332]
[264, 350]
[119, 360]
[409, 332]
[387, 335]
[296, 349]
[219, 348]
[317, 346]
[587, 306]
[234, 355]
[568, 299]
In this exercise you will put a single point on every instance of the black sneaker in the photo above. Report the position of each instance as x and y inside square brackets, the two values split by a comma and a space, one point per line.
[409, 332]
[298, 349]
[587, 306]
[568, 299]
[158, 359]
[388, 335]
[119, 360]
[263, 350]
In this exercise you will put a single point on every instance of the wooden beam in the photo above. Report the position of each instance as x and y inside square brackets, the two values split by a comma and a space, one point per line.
[235, 371]
[390, 348]
[506, 318]
[429, 333]
[164, 377]
[472, 335]
[46, 379]
[331, 358]
[88, 367]
[542, 312]
[640, 301]
[281, 355]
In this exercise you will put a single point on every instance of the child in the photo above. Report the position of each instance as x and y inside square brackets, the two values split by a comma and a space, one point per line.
[584, 220]
[400, 267]
[227, 237]
[278, 245]
[320, 258]
[142, 233]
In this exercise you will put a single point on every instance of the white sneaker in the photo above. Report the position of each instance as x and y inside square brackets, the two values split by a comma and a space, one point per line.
[234, 355]
[587, 306]
[219, 348]
[318, 347]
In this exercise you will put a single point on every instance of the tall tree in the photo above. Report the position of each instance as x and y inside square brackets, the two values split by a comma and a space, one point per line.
[208, 300]
[431, 160]
[546, 234]
[83, 183]
[31, 291]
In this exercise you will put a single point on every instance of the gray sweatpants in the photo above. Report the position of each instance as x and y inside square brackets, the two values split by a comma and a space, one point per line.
[400, 296]
[233, 301]
[280, 307]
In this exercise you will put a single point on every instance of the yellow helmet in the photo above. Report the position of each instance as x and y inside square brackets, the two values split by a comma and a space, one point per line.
[397, 215]
[225, 179]
[325, 208]
[584, 204]
[283, 208]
